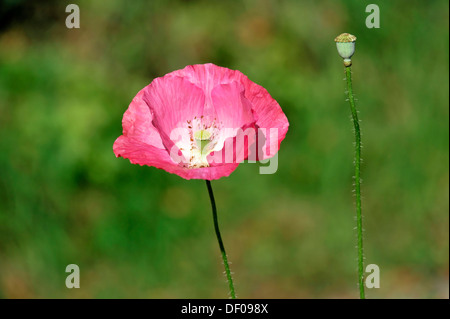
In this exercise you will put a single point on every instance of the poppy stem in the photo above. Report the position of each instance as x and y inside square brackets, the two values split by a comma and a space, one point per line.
[219, 239]
[348, 72]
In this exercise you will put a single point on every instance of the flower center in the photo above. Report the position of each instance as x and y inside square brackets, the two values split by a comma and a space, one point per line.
[202, 139]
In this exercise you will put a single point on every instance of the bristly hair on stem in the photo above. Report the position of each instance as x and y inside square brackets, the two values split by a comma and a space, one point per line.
[345, 44]
[219, 240]
[357, 130]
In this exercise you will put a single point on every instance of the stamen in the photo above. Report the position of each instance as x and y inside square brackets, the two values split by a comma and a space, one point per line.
[200, 142]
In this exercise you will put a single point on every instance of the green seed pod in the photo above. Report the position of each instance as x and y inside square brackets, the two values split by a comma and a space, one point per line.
[345, 44]
[202, 139]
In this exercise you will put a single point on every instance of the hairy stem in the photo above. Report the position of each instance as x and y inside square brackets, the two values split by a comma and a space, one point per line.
[348, 72]
[219, 239]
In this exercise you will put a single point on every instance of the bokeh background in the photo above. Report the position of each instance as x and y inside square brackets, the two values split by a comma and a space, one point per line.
[139, 232]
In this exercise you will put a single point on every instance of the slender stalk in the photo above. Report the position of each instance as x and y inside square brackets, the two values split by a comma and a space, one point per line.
[348, 72]
[219, 239]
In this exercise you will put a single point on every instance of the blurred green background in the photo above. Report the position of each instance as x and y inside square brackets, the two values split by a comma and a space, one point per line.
[139, 232]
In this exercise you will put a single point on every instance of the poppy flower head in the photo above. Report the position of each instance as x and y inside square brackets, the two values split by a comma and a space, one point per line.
[201, 122]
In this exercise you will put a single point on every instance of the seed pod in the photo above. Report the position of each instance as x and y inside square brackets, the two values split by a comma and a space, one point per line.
[345, 44]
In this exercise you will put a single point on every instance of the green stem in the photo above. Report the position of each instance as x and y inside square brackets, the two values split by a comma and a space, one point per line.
[348, 72]
[219, 239]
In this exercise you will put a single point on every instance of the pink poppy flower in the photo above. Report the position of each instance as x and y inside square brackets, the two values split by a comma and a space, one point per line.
[201, 122]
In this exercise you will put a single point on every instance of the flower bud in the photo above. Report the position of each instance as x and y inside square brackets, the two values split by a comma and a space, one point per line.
[345, 44]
